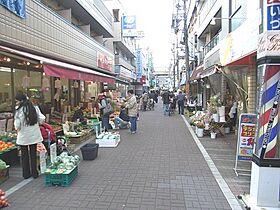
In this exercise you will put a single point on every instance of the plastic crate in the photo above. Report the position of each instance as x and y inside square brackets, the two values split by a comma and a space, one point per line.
[89, 151]
[63, 180]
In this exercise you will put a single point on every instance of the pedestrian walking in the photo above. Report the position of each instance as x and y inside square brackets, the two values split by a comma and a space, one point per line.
[165, 100]
[181, 102]
[26, 121]
[132, 109]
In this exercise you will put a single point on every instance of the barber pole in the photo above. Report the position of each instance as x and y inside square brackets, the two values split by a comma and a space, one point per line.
[268, 121]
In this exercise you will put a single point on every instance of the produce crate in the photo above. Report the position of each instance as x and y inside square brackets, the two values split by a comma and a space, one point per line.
[63, 180]
[4, 174]
[10, 157]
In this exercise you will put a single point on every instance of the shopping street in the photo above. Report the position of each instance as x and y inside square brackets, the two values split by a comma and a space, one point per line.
[160, 167]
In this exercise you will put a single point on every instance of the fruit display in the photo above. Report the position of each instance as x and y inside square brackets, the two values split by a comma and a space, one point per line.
[6, 146]
[3, 200]
[63, 164]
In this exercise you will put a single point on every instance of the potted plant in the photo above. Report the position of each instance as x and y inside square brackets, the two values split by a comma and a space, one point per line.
[200, 129]
[227, 127]
[213, 129]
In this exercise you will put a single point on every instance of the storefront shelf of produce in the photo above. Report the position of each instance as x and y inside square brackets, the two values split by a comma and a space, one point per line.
[63, 180]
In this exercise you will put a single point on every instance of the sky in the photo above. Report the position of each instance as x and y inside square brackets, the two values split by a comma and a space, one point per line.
[154, 18]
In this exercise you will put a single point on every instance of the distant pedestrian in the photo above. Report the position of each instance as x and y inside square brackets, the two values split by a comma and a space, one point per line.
[132, 108]
[181, 102]
[165, 100]
[145, 98]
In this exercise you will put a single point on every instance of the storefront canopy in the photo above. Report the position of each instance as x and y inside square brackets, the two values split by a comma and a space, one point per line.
[64, 70]
[56, 71]
[196, 73]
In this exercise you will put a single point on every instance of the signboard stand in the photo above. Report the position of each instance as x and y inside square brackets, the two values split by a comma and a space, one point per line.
[245, 142]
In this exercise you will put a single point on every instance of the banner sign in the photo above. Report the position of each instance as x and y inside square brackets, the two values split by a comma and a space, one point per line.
[15, 6]
[273, 15]
[104, 61]
[129, 26]
[246, 136]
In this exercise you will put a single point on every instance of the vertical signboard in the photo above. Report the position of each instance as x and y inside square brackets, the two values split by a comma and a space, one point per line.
[273, 15]
[129, 26]
[246, 139]
[138, 64]
[246, 136]
[17, 7]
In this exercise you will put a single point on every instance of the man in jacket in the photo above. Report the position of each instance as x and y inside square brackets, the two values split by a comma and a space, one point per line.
[165, 100]
[132, 107]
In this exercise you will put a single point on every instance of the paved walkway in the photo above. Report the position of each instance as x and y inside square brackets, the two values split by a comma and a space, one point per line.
[160, 167]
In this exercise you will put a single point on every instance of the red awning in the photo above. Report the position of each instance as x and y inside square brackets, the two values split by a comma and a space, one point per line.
[55, 71]
[246, 60]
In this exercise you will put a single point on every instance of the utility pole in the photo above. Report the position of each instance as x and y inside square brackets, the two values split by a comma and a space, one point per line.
[186, 44]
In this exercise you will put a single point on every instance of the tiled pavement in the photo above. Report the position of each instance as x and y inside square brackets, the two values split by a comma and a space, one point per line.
[160, 167]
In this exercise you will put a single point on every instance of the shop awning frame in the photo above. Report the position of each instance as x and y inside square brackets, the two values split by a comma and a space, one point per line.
[61, 67]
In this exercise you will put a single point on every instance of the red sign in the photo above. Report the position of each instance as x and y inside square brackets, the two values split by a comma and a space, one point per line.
[273, 1]
[143, 79]
[104, 62]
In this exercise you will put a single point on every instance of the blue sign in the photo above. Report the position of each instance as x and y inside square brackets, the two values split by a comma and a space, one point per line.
[15, 6]
[129, 22]
[138, 64]
[273, 17]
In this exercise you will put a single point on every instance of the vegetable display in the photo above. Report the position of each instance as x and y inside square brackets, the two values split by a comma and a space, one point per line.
[63, 164]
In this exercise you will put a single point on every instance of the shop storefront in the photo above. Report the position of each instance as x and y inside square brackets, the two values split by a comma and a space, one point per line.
[54, 84]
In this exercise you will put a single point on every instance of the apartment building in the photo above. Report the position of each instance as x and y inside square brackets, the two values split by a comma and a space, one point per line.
[55, 47]
[225, 34]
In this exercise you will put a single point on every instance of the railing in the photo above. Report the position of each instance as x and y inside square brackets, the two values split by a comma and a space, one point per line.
[213, 42]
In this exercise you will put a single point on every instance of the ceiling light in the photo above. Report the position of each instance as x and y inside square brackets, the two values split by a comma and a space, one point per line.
[27, 63]
[213, 21]
[8, 59]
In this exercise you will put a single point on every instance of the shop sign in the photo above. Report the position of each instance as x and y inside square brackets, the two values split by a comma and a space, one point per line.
[43, 163]
[246, 136]
[269, 44]
[273, 15]
[138, 64]
[16, 7]
[129, 26]
[104, 61]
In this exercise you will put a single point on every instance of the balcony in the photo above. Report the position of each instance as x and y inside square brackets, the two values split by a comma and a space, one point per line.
[213, 43]
[122, 62]
[93, 12]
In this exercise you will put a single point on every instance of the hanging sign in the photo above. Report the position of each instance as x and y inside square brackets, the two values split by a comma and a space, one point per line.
[246, 136]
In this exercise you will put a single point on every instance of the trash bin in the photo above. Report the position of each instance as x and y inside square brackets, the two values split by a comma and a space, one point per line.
[89, 151]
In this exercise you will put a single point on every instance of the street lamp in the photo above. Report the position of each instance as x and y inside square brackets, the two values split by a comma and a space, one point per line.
[213, 21]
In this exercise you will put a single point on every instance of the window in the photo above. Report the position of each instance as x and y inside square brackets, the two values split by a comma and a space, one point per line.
[236, 14]
[5, 90]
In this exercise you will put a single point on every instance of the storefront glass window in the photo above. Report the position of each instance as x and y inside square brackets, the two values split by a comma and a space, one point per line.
[21, 80]
[5, 90]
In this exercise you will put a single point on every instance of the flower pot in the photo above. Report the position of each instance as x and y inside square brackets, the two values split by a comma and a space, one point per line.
[215, 117]
[206, 126]
[222, 119]
[200, 132]
[213, 135]
[227, 130]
